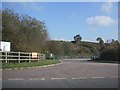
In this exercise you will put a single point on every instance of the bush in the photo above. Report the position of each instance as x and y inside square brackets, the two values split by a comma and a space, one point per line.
[109, 54]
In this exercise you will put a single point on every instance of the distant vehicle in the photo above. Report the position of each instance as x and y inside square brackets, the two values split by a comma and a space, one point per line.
[94, 57]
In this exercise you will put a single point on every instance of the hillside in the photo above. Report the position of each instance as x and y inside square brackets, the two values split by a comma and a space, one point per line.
[28, 34]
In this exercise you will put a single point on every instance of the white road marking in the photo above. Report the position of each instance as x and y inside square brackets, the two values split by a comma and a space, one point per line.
[97, 77]
[8, 69]
[15, 79]
[50, 65]
[44, 66]
[57, 78]
[73, 78]
[42, 79]
[37, 79]
[80, 78]
[15, 68]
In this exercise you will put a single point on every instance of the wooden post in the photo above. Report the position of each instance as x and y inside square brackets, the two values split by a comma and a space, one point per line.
[6, 56]
[44, 56]
[19, 57]
[38, 56]
[29, 57]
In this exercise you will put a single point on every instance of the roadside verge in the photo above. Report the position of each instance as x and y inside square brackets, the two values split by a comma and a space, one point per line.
[40, 64]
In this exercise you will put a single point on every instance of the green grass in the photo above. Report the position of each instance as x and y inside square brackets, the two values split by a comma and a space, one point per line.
[27, 64]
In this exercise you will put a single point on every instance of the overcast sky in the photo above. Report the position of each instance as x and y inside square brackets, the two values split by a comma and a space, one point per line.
[66, 19]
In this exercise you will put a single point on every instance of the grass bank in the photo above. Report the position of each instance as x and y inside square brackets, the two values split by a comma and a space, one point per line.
[27, 64]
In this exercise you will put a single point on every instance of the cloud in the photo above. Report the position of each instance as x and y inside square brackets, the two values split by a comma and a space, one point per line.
[100, 21]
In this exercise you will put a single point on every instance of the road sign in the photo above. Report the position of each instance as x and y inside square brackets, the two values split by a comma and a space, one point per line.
[34, 55]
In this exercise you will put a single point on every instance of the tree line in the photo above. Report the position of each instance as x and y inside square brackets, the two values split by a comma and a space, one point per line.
[28, 34]
[24, 32]
[109, 51]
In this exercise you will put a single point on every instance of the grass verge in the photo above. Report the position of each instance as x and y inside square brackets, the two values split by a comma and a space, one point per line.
[105, 61]
[27, 64]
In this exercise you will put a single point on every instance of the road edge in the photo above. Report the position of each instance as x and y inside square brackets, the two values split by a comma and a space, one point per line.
[32, 67]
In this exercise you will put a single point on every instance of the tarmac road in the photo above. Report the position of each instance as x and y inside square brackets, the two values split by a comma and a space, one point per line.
[70, 74]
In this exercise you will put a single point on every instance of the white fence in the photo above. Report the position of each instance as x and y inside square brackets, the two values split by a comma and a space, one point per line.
[20, 57]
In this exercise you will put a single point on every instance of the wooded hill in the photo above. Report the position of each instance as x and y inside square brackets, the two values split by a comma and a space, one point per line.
[30, 35]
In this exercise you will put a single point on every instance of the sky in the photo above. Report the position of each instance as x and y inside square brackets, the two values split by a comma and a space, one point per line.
[64, 20]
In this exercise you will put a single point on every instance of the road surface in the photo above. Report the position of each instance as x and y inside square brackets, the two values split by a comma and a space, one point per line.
[69, 74]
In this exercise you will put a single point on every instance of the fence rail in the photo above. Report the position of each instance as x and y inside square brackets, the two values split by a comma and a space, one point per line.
[20, 57]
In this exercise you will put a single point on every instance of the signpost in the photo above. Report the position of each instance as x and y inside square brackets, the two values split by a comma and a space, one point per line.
[5, 46]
